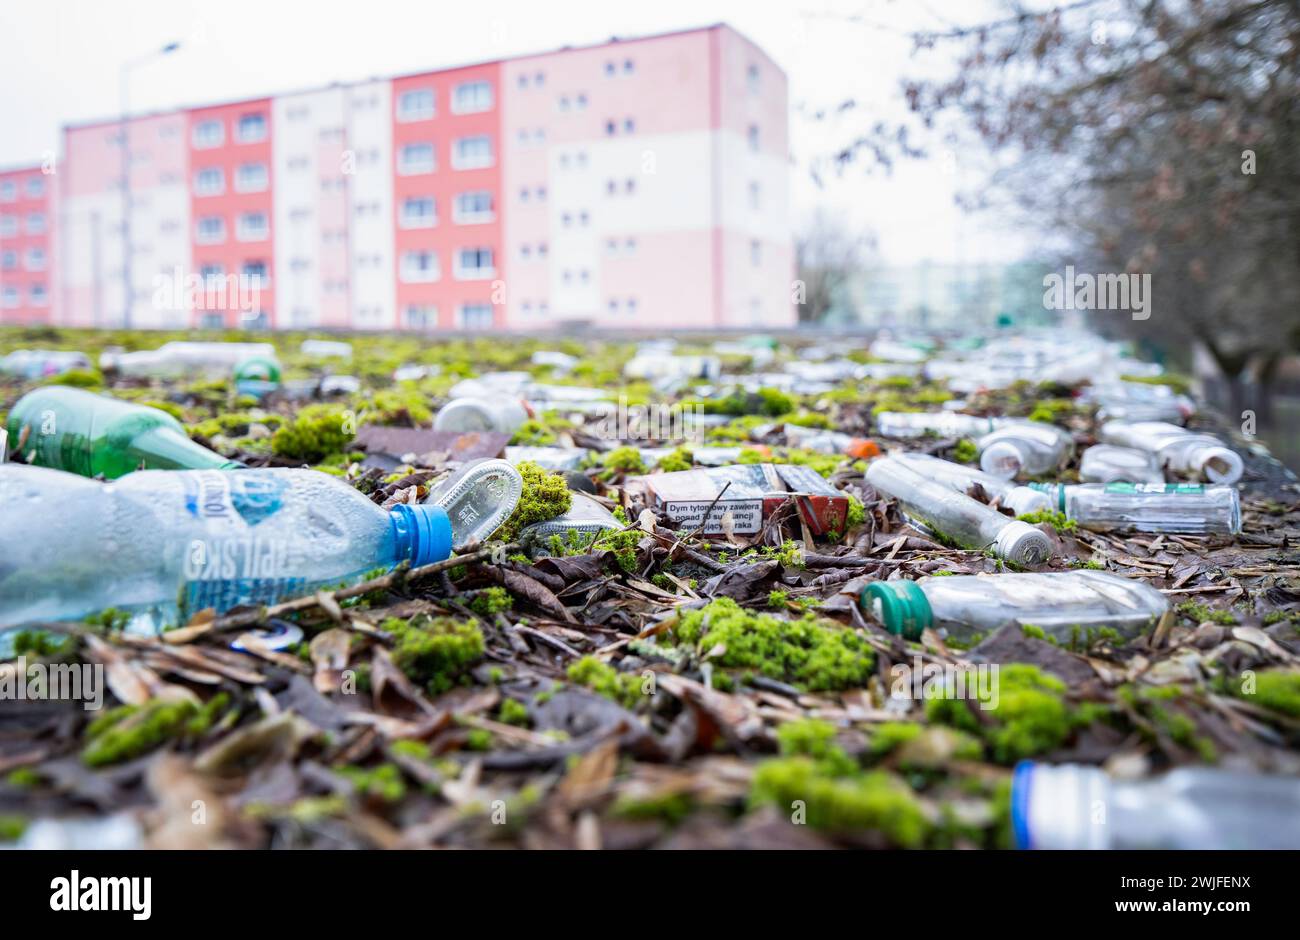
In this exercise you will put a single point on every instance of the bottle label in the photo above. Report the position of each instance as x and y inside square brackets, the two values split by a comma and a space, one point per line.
[1177, 489]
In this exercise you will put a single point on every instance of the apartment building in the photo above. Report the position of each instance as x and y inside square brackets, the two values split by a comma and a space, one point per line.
[26, 255]
[632, 183]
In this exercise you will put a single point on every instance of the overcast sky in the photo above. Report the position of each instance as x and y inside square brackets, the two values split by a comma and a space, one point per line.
[62, 56]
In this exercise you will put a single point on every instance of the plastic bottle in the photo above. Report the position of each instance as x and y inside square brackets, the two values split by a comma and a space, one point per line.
[1071, 806]
[182, 358]
[586, 516]
[163, 545]
[38, 363]
[1107, 463]
[503, 415]
[1061, 603]
[914, 424]
[1019, 499]
[1202, 456]
[478, 498]
[953, 515]
[1176, 508]
[1024, 448]
[78, 431]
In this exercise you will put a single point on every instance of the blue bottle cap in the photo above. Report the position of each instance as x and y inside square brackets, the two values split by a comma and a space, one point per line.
[423, 533]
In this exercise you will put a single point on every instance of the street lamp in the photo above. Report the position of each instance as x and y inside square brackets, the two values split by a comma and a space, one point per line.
[124, 88]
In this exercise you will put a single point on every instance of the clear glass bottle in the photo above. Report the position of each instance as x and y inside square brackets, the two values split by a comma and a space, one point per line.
[1176, 508]
[1071, 806]
[955, 516]
[908, 425]
[1061, 603]
[1108, 463]
[1019, 499]
[1201, 456]
[184, 358]
[1024, 448]
[165, 544]
[503, 415]
[478, 498]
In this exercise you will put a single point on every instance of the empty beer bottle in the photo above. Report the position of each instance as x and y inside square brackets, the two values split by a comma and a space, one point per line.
[70, 429]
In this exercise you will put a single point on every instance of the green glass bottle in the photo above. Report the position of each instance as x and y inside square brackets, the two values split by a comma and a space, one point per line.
[70, 429]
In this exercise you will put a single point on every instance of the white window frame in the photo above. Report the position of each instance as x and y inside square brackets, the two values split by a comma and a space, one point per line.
[426, 310]
[459, 162]
[478, 217]
[8, 260]
[39, 265]
[407, 222]
[242, 138]
[40, 228]
[239, 175]
[462, 273]
[200, 239]
[403, 169]
[8, 191]
[475, 105]
[462, 316]
[220, 188]
[241, 230]
[38, 183]
[43, 300]
[410, 115]
[10, 297]
[409, 275]
[199, 141]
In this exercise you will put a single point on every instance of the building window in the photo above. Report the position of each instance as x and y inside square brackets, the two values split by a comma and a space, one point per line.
[611, 69]
[8, 225]
[211, 272]
[9, 297]
[36, 223]
[416, 158]
[522, 80]
[564, 102]
[471, 153]
[629, 125]
[420, 267]
[251, 128]
[752, 78]
[422, 317]
[8, 191]
[580, 102]
[210, 230]
[251, 178]
[35, 259]
[473, 207]
[475, 264]
[255, 271]
[38, 296]
[753, 137]
[35, 187]
[628, 66]
[755, 253]
[419, 212]
[755, 196]
[415, 105]
[539, 79]
[476, 316]
[209, 181]
[610, 128]
[208, 134]
[251, 227]
[8, 260]
[471, 97]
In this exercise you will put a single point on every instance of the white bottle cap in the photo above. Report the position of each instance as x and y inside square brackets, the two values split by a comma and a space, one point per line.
[1022, 543]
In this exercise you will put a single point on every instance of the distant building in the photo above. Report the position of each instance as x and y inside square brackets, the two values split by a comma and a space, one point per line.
[935, 296]
[26, 245]
[640, 182]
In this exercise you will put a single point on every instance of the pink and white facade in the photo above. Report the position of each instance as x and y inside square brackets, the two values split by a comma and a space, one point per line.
[637, 183]
[26, 245]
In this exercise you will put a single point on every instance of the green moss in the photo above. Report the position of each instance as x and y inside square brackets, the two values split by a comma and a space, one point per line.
[1037, 633]
[856, 515]
[403, 406]
[1030, 717]
[417, 750]
[12, 827]
[965, 451]
[1166, 707]
[1056, 520]
[778, 600]
[383, 783]
[670, 807]
[679, 459]
[129, 731]
[434, 651]
[769, 402]
[890, 735]
[1180, 384]
[1277, 690]
[513, 712]
[544, 496]
[1200, 613]
[623, 544]
[22, 778]
[39, 643]
[624, 460]
[110, 619]
[533, 433]
[815, 654]
[77, 378]
[604, 679]
[491, 601]
[841, 802]
[478, 739]
[173, 409]
[316, 432]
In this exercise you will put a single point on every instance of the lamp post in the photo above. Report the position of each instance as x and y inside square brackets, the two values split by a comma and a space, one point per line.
[124, 89]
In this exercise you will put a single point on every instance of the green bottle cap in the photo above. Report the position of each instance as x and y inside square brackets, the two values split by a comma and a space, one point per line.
[903, 607]
[258, 368]
[1048, 487]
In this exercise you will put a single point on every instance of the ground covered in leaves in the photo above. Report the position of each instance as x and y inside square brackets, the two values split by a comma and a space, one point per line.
[654, 688]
